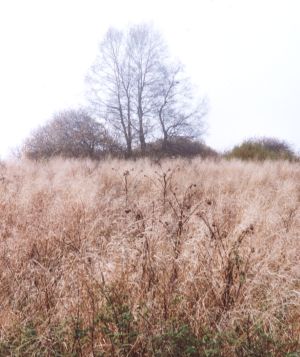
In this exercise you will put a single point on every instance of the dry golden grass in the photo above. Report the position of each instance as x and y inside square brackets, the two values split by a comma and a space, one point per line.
[120, 258]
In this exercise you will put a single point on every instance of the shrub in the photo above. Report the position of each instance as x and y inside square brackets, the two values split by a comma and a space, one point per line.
[180, 146]
[71, 133]
[262, 149]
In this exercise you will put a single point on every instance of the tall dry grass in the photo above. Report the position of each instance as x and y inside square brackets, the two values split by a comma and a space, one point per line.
[120, 258]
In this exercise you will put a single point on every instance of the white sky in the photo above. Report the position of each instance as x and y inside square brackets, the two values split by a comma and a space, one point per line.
[244, 55]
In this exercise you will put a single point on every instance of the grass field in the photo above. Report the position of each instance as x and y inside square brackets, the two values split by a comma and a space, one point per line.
[123, 258]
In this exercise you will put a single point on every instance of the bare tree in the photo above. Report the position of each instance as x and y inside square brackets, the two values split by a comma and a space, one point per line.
[135, 89]
[178, 111]
[147, 51]
[71, 133]
[110, 81]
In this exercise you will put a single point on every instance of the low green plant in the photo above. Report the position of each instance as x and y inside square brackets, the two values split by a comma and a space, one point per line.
[262, 149]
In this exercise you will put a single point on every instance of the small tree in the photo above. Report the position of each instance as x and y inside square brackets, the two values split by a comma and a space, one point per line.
[178, 112]
[71, 133]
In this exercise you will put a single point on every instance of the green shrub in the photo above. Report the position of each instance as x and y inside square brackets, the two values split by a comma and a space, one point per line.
[262, 149]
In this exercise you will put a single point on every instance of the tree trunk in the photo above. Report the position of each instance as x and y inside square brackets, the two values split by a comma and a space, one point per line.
[128, 149]
[163, 128]
[129, 131]
[165, 142]
[142, 139]
[141, 126]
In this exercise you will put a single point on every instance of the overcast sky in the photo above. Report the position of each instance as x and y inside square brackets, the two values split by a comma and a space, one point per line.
[244, 55]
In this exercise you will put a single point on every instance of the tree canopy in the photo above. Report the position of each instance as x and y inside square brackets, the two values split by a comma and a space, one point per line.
[140, 93]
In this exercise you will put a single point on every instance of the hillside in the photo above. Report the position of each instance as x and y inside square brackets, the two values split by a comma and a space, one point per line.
[123, 258]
